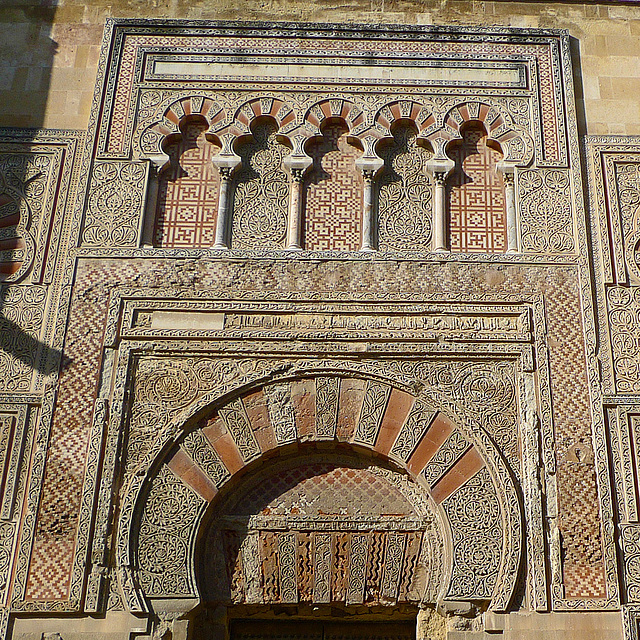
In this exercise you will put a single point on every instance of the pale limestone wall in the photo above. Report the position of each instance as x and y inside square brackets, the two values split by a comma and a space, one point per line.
[49, 48]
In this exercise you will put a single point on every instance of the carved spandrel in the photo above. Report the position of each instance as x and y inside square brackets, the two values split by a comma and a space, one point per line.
[23, 309]
[546, 215]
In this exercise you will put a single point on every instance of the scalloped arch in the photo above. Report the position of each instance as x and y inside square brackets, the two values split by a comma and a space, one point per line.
[516, 144]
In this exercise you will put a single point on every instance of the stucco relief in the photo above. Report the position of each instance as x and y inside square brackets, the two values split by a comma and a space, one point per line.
[445, 492]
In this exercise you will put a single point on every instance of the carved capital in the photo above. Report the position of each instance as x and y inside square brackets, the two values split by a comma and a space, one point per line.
[440, 177]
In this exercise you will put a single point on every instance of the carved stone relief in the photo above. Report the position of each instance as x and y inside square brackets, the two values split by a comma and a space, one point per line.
[24, 180]
[21, 323]
[115, 204]
[623, 305]
[546, 218]
[404, 194]
[314, 511]
[268, 536]
[261, 192]
[464, 362]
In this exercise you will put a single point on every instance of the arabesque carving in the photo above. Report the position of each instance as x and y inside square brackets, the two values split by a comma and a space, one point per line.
[115, 204]
[546, 218]
[360, 542]
[260, 192]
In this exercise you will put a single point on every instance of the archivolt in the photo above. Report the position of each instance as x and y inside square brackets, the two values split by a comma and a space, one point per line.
[458, 467]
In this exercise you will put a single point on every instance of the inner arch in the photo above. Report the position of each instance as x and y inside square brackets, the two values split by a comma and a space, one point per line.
[319, 528]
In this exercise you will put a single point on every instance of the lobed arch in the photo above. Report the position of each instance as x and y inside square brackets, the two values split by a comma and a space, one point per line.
[333, 108]
[269, 106]
[218, 441]
[515, 144]
[394, 112]
[170, 118]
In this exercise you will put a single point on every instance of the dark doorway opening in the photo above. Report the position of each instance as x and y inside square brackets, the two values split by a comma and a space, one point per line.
[307, 630]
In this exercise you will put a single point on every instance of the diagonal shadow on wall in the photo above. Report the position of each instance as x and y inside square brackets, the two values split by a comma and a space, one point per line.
[27, 52]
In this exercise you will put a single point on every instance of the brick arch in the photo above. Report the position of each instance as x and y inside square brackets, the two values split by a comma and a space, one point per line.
[246, 114]
[195, 105]
[331, 108]
[398, 110]
[453, 466]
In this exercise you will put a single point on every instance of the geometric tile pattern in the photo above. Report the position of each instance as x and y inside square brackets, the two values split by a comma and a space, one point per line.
[52, 570]
[188, 193]
[476, 197]
[57, 520]
[326, 489]
[577, 487]
[334, 192]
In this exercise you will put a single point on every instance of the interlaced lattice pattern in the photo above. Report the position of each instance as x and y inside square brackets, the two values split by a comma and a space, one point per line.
[188, 193]
[476, 197]
[333, 194]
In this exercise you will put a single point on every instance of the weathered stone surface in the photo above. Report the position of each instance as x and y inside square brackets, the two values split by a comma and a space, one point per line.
[327, 321]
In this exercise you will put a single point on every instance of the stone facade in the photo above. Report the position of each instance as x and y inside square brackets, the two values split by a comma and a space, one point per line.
[319, 330]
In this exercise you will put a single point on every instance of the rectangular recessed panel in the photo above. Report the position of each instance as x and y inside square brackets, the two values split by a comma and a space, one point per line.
[339, 70]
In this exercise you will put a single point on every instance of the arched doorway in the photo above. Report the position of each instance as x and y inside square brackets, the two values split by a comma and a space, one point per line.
[324, 490]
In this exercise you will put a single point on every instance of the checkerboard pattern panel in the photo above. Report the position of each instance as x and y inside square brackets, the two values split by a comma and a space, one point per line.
[188, 193]
[583, 581]
[580, 527]
[477, 210]
[57, 520]
[49, 568]
[580, 521]
[334, 192]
